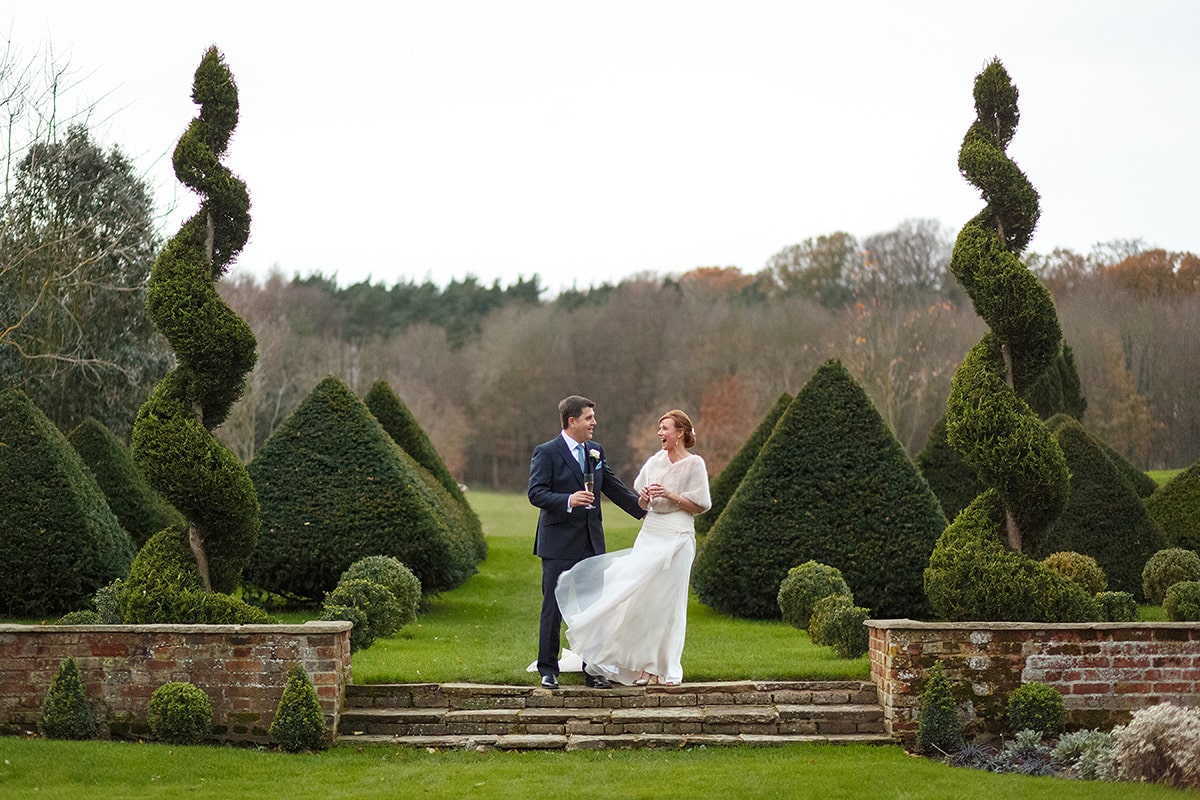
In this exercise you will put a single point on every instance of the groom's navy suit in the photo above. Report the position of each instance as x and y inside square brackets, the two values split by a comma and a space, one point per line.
[567, 536]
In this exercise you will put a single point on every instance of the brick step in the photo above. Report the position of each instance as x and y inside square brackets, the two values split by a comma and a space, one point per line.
[489, 716]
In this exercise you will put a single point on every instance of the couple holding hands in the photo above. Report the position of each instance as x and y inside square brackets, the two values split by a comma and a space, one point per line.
[626, 612]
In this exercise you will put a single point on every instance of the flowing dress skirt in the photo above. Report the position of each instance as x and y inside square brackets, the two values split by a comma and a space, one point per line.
[627, 611]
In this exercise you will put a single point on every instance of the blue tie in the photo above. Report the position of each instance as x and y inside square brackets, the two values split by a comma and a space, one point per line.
[579, 456]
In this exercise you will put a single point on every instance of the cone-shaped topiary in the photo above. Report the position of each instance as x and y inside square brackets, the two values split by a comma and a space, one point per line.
[406, 432]
[1176, 508]
[59, 541]
[987, 421]
[954, 482]
[831, 484]
[1104, 518]
[724, 485]
[335, 488]
[299, 722]
[142, 511]
[66, 713]
[938, 728]
[214, 349]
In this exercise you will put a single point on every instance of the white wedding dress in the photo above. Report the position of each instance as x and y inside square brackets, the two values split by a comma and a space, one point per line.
[626, 612]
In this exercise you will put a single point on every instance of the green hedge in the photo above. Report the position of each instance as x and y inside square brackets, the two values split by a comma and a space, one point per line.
[1104, 518]
[335, 488]
[59, 541]
[832, 484]
[1176, 508]
[142, 511]
[723, 486]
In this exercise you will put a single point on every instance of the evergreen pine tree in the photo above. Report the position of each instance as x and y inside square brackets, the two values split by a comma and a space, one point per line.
[832, 484]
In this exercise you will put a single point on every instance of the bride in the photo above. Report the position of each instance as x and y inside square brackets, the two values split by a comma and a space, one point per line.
[626, 612]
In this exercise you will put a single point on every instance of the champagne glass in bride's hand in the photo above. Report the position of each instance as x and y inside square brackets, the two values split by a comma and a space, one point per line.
[589, 484]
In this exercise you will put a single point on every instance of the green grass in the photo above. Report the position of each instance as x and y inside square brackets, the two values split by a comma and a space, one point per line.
[1163, 476]
[118, 770]
[486, 630]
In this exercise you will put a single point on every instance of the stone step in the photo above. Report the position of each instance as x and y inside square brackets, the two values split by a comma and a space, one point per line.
[612, 742]
[479, 696]
[486, 716]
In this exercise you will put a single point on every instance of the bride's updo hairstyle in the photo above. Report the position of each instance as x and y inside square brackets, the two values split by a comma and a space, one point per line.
[683, 423]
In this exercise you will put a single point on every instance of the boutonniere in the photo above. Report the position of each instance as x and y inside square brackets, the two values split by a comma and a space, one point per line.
[595, 454]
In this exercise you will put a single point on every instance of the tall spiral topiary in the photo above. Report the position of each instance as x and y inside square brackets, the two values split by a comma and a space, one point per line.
[987, 421]
[214, 349]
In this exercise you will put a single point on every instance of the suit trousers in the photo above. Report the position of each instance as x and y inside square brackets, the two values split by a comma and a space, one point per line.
[550, 626]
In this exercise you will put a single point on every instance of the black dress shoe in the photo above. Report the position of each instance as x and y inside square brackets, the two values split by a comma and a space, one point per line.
[549, 682]
[597, 682]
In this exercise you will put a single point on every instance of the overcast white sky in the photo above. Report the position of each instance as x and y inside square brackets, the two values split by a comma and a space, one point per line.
[585, 142]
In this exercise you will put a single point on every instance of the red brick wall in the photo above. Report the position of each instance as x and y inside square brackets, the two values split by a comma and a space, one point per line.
[242, 668]
[1103, 670]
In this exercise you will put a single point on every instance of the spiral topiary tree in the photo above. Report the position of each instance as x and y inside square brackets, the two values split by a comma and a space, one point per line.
[987, 421]
[725, 484]
[173, 442]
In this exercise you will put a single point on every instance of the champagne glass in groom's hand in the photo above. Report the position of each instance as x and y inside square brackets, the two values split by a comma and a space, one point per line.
[589, 484]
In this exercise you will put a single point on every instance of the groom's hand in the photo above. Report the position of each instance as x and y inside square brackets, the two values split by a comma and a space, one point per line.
[581, 498]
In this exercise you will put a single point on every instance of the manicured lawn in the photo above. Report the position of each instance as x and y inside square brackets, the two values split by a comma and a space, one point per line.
[117, 770]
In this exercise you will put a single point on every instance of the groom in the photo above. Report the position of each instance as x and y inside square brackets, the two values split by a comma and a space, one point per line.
[569, 526]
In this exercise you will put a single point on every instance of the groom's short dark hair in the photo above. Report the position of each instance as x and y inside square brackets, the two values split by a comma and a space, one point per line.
[573, 406]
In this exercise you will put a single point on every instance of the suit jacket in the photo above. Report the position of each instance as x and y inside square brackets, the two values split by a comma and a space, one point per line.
[553, 475]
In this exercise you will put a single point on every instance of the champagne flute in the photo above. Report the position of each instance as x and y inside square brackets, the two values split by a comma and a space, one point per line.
[589, 483]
